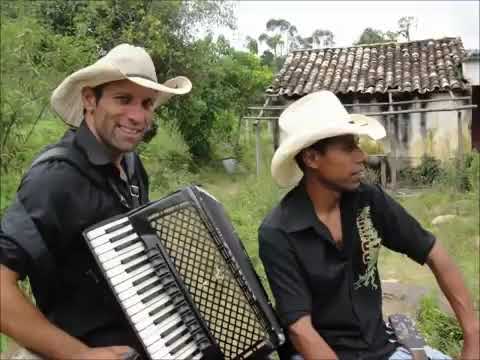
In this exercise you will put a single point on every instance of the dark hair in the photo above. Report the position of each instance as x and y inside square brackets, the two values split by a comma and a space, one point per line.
[320, 146]
[98, 91]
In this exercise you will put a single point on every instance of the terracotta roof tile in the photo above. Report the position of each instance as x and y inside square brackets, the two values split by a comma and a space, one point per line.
[422, 66]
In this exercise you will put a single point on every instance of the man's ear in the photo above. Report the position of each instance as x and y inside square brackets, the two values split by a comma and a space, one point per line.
[88, 99]
[310, 157]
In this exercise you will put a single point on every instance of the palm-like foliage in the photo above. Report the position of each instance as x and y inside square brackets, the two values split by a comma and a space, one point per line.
[274, 42]
[322, 38]
[252, 45]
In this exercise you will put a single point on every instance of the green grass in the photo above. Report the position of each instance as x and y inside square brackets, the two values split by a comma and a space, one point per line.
[459, 236]
[47, 130]
[440, 330]
[461, 239]
[3, 343]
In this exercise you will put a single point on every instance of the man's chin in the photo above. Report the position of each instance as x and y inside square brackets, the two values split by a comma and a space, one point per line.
[126, 146]
[351, 186]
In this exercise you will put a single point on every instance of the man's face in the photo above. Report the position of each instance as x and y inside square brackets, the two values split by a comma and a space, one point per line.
[121, 115]
[340, 167]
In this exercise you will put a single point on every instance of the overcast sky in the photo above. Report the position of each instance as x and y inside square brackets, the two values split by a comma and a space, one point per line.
[347, 19]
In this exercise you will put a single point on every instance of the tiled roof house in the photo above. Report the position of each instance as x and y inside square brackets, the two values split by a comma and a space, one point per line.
[417, 89]
[417, 66]
[421, 66]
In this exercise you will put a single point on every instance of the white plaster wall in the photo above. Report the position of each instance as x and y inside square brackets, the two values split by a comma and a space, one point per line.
[471, 71]
[437, 138]
[441, 140]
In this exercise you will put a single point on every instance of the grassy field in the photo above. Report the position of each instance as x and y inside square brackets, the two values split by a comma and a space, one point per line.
[247, 199]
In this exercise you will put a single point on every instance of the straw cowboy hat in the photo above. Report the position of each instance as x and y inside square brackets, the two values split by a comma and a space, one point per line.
[315, 117]
[122, 62]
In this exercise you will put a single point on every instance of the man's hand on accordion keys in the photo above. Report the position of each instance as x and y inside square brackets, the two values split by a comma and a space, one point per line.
[108, 353]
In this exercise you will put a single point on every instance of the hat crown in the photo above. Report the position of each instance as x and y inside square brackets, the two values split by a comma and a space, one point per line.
[131, 61]
[318, 109]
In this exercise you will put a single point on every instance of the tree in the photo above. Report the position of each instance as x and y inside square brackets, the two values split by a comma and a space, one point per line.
[252, 45]
[38, 52]
[279, 27]
[322, 38]
[268, 59]
[374, 36]
[285, 30]
[406, 23]
[274, 42]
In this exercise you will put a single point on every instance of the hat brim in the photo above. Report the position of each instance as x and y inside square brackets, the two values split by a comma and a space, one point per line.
[67, 102]
[284, 168]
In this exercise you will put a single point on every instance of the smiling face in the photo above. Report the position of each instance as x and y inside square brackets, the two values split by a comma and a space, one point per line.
[337, 164]
[120, 116]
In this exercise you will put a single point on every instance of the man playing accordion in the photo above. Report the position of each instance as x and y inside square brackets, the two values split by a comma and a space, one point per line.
[91, 174]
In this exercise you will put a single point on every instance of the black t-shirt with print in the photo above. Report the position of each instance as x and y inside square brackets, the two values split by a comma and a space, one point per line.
[339, 288]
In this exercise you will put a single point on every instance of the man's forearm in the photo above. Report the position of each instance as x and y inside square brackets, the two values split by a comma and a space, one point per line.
[22, 321]
[308, 342]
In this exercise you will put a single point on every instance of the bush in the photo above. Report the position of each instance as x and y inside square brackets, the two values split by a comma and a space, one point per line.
[429, 172]
[440, 330]
[472, 170]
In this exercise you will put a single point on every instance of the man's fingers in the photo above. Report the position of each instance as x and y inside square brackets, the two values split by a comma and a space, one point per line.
[130, 354]
[121, 350]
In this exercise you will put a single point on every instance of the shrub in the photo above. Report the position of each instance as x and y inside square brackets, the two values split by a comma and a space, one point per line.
[472, 170]
[440, 330]
[429, 171]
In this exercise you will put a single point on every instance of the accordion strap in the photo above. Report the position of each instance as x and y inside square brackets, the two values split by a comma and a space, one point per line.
[76, 159]
[73, 158]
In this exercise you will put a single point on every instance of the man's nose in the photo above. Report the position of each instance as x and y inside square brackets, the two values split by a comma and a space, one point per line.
[137, 114]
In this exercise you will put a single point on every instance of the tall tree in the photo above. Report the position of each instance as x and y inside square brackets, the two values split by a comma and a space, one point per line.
[322, 38]
[287, 32]
[406, 24]
[252, 45]
[374, 36]
[274, 42]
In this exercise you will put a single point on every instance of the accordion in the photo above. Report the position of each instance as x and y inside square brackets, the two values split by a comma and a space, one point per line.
[184, 280]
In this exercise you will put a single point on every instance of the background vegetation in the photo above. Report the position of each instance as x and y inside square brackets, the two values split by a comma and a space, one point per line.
[43, 41]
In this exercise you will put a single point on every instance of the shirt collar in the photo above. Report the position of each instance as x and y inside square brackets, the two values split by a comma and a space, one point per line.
[97, 153]
[298, 213]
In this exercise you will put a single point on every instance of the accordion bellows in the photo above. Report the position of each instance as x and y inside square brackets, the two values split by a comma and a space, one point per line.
[184, 280]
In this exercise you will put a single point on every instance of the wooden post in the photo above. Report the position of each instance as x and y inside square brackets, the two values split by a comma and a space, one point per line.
[383, 172]
[393, 146]
[247, 130]
[460, 137]
[256, 124]
[276, 134]
[258, 157]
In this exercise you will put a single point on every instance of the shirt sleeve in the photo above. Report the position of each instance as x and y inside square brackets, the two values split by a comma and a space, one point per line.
[292, 297]
[34, 219]
[402, 232]
[12, 255]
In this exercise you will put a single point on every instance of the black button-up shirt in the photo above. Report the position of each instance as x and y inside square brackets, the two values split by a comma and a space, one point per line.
[339, 287]
[54, 204]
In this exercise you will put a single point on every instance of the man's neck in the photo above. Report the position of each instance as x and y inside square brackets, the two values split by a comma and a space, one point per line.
[325, 200]
[115, 156]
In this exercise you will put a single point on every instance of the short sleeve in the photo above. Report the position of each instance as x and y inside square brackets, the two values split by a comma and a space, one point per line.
[292, 297]
[402, 232]
[34, 219]
[12, 255]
